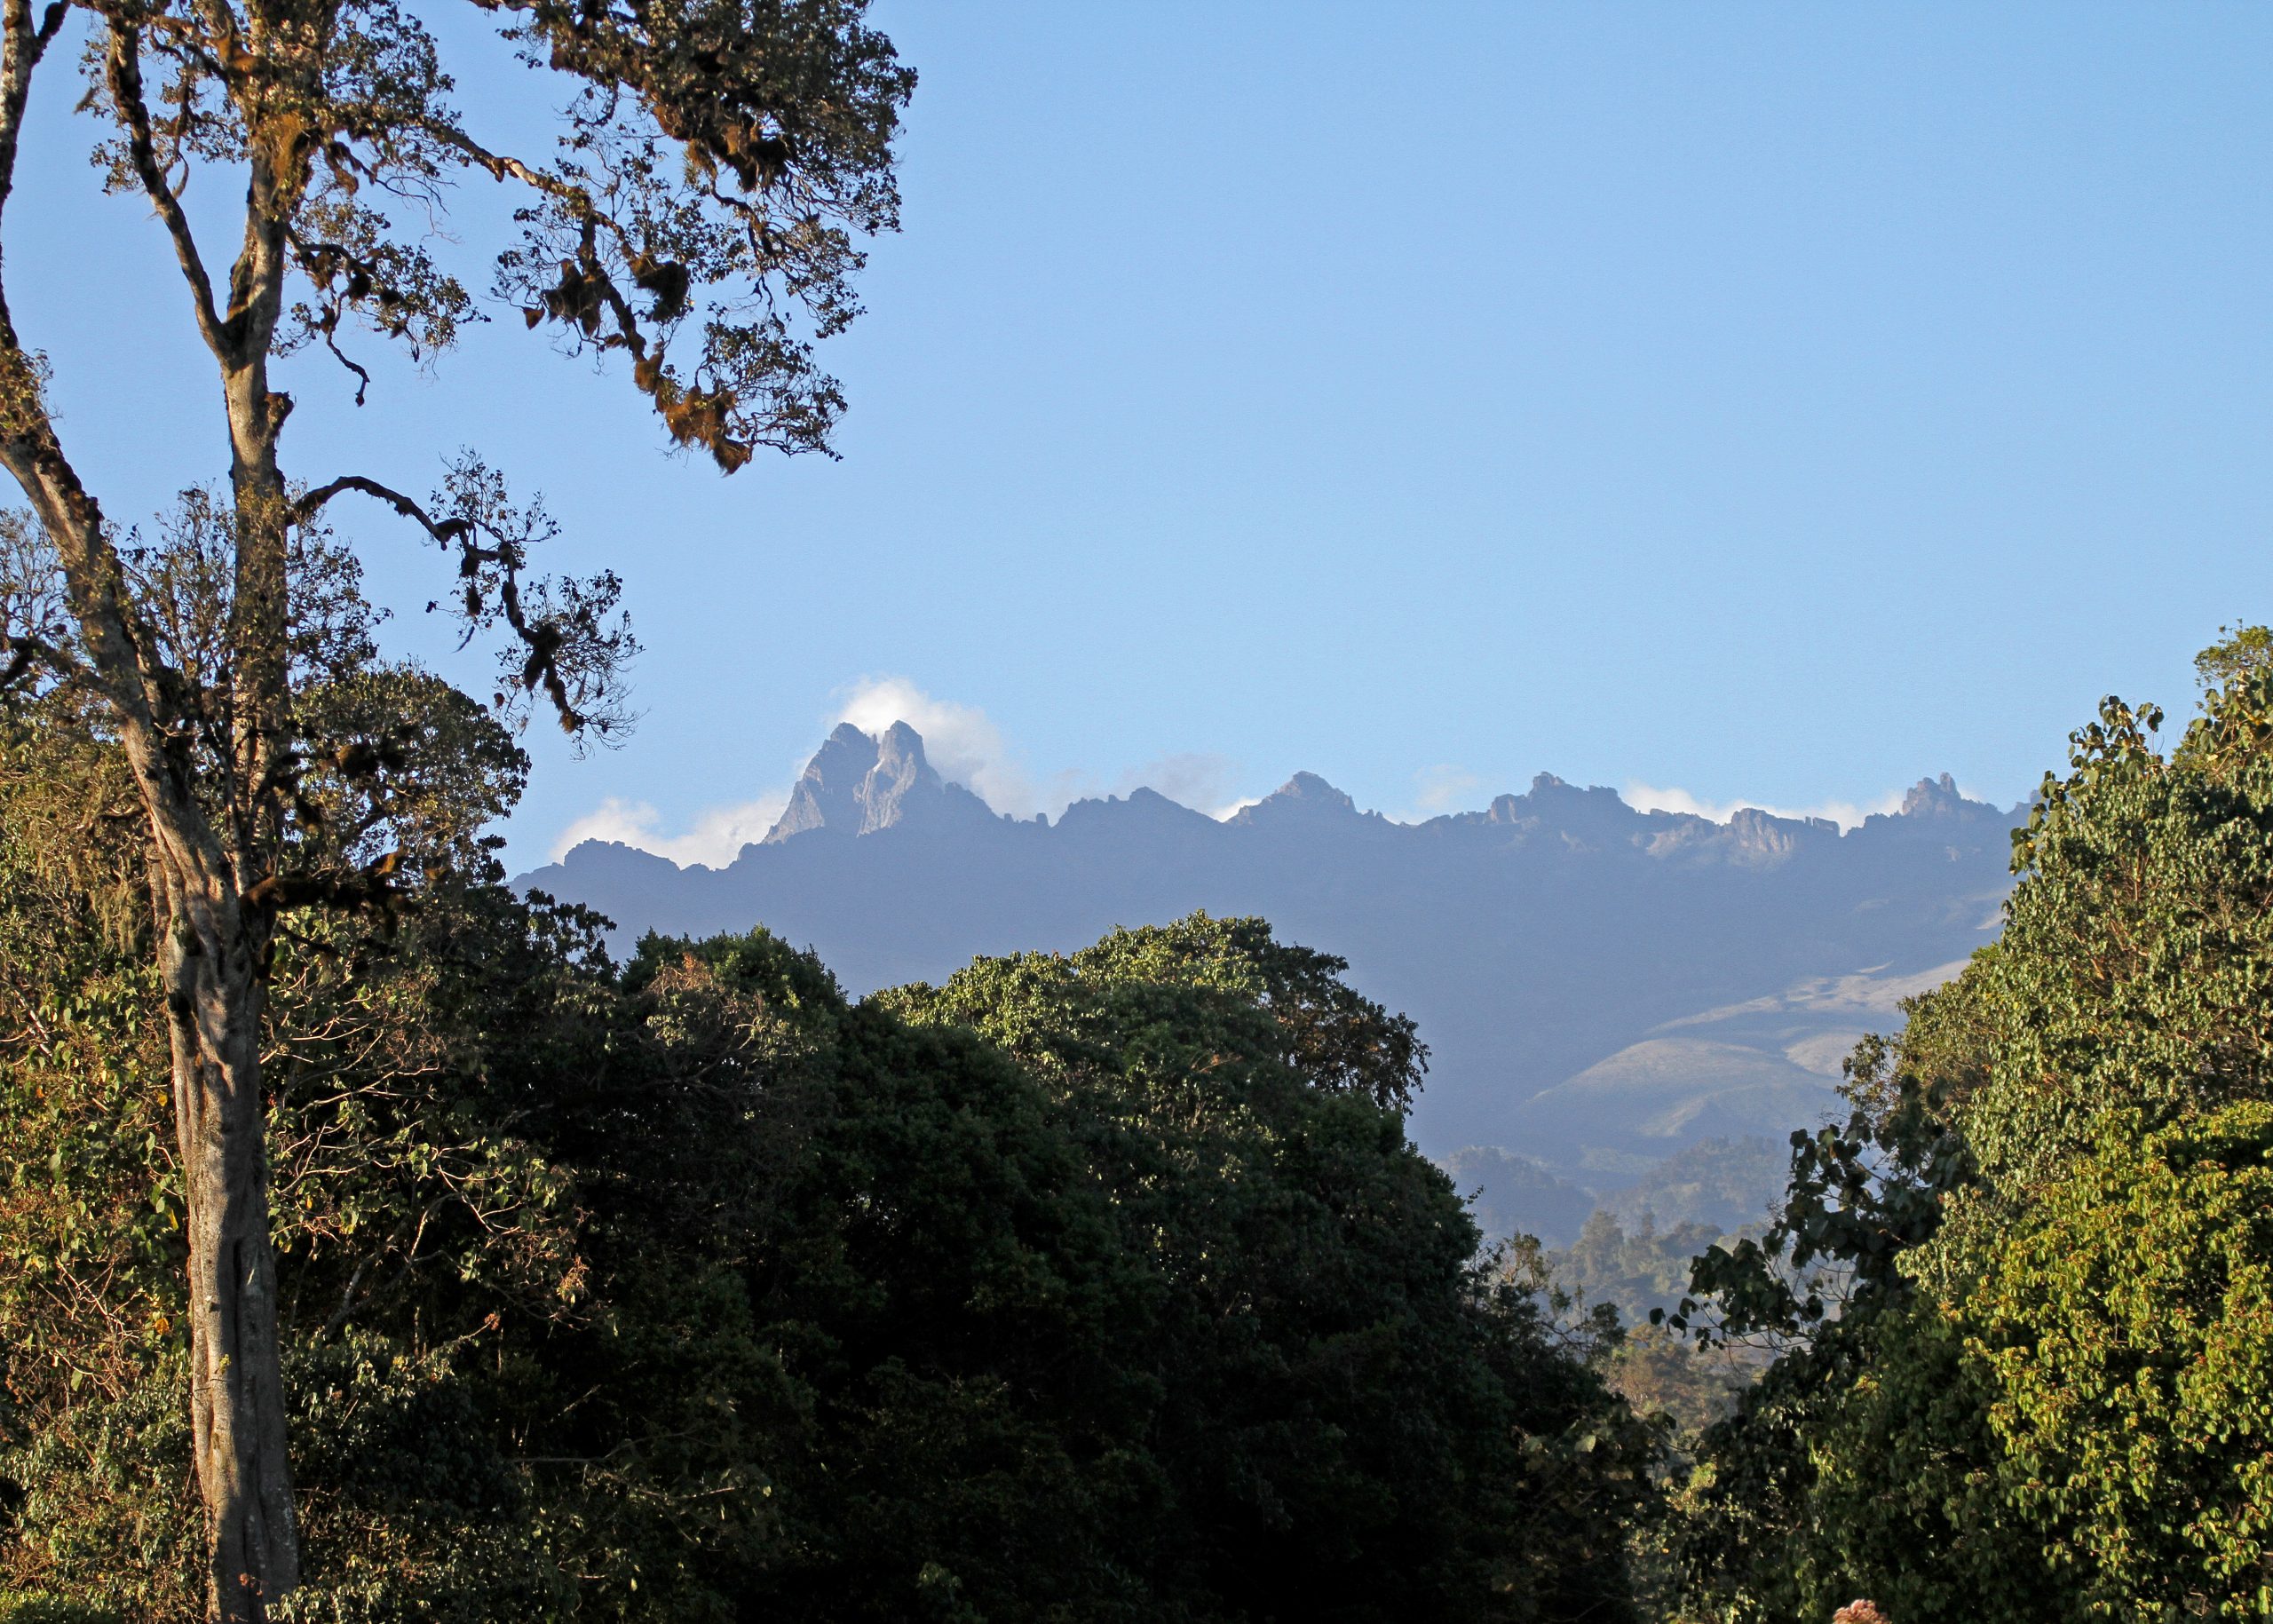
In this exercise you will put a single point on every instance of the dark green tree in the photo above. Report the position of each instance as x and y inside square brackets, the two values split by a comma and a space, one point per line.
[1356, 1418]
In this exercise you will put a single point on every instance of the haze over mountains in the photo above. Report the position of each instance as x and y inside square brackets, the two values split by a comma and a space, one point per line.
[1601, 988]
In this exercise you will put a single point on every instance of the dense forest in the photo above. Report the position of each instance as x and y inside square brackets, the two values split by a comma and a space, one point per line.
[1090, 1286]
[1109, 1285]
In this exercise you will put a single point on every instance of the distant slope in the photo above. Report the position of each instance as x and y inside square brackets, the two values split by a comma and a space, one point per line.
[1515, 1195]
[1624, 1114]
[1602, 988]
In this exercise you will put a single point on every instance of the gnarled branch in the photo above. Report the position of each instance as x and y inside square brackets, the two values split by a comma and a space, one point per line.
[449, 532]
[123, 71]
[546, 638]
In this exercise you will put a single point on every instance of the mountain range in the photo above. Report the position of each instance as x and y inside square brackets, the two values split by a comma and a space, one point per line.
[1603, 989]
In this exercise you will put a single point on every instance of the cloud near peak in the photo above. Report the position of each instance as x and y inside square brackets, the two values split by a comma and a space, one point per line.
[713, 839]
[962, 741]
[1444, 788]
[1846, 815]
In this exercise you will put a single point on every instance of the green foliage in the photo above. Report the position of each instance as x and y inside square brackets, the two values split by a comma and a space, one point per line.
[2132, 971]
[2024, 1303]
[36, 1607]
[1659, 1373]
[1635, 1272]
[2127, 1321]
[2242, 652]
[1621, 1279]
[1861, 1464]
[1103, 1287]
[1353, 1417]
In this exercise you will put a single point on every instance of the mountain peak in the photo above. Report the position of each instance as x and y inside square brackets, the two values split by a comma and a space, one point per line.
[857, 784]
[1311, 787]
[1933, 798]
[1936, 809]
[1305, 796]
[1554, 804]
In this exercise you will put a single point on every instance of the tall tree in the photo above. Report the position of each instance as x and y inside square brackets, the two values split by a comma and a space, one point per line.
[713, 172]
[2048, 1393]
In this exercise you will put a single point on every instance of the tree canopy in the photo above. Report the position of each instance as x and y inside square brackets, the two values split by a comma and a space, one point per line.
[1106, 1286]
[2022, 1297]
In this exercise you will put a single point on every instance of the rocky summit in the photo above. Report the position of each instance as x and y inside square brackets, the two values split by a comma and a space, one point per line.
[859, 785]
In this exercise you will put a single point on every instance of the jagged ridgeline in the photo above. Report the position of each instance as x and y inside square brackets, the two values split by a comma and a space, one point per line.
[1601, 988]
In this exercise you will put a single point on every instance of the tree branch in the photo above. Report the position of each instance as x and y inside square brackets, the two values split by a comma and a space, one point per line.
[24, 656]
[502, 167]
[22, 43]
[122, 70]
[449, 533]
[347, 1303]
[362, 373]
[30, 656]
[543, 640]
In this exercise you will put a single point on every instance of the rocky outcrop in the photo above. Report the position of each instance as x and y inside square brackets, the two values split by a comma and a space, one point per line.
[859, 785]
[1305, 799]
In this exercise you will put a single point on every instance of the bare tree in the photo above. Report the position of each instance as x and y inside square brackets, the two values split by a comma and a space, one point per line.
[714, 171]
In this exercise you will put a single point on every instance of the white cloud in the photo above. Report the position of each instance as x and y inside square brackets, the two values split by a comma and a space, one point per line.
[1437, 789]
[1191, 778]
[713, 839]
[962, 742]
[1846, 815]
[968, 749]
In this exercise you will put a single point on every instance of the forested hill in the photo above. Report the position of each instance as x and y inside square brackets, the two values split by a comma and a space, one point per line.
[1600, 987]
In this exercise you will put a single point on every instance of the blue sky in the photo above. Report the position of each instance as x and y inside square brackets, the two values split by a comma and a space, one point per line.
[1768, 403]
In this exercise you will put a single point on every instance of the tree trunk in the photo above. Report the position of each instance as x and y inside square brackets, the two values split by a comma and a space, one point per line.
[211, 960]
[211, 853]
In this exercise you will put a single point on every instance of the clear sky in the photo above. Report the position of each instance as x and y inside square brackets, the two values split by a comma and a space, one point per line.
[1771, 404]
